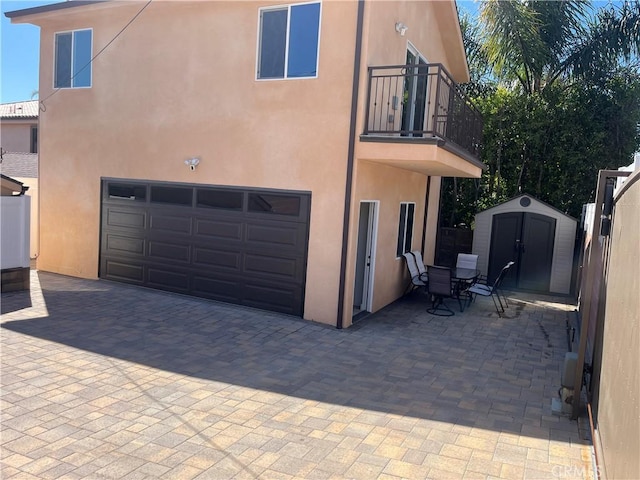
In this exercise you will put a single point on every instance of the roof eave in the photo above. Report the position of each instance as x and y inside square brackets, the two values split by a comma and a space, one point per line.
[12, 185]
[24, 15]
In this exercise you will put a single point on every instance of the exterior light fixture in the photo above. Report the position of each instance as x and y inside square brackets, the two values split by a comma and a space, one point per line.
[401, 28]
[192, 163]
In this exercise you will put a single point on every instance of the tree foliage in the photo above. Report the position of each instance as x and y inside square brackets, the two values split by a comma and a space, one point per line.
[559, 90]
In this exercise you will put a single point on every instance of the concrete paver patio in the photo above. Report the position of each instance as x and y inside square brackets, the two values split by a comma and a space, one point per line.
[101, 380]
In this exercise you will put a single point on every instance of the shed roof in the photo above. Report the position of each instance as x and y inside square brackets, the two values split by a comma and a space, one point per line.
[28, 109]
[532, 198]
[22, 165]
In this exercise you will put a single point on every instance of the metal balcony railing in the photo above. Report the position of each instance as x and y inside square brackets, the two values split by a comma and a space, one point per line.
[421, 100]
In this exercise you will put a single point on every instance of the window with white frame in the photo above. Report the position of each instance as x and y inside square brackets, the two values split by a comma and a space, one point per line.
[73, 59]
[288, 41]
[405, 228]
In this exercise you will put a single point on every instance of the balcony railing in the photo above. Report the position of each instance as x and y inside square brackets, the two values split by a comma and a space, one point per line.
[421, 100]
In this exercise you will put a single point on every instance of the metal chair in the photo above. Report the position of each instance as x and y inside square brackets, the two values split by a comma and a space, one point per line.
[416, 278]
[492, 290]
[500, 291]
[439, 288]
[467, 260]
[424, 276]
[470, 261]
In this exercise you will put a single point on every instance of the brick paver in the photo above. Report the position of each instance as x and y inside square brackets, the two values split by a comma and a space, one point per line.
[107, 381]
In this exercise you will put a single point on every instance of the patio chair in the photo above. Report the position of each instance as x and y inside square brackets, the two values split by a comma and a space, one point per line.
[491, 290]
[416, 279]
[500, 291]
[420, 265]
[440, 287]
[466, 260]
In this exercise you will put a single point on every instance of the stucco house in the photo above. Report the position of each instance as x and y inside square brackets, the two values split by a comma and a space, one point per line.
[19, 159]
[19, 126]
[279, 155]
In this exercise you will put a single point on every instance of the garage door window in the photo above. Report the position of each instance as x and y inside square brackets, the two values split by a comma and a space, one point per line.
[173, 195]
[222, 199]
[279, 204]
[123, 191]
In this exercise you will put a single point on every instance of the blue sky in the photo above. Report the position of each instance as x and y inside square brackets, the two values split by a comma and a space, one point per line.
[19, 54]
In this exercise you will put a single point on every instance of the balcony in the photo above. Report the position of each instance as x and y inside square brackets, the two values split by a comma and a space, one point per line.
[411, 106]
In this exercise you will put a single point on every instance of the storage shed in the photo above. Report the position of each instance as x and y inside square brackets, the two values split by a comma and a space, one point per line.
[539, 238]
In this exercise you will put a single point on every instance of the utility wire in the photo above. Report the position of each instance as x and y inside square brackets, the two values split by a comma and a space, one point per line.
[43, 107]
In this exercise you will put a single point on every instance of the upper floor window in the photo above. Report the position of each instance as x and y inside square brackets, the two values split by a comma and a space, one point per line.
[73, 59]
[289, 38]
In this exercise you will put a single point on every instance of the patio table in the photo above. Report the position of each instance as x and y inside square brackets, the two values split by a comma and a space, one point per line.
[462, 277]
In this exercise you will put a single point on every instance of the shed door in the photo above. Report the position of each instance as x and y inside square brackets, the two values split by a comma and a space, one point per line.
[526, 239]
[244, 246]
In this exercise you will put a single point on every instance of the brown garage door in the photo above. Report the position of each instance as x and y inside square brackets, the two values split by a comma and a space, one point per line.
[243, 246]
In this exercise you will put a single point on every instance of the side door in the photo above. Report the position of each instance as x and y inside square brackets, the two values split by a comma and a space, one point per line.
[505, 246]
[414, 95]
[536, 252]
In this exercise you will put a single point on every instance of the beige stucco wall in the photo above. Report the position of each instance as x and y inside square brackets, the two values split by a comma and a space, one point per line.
[15, 135]
[399, 172]
[168, 90]
[618, 417]
[432, 30]
[389, 186]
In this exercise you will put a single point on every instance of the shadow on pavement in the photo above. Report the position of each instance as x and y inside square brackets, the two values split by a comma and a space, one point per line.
[473, 369]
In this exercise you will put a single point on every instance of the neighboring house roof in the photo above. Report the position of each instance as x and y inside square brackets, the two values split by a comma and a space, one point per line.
[29, 109]
[9, 186]
[22, 165]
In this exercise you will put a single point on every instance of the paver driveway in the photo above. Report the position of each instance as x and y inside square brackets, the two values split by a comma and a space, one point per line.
[101, 380]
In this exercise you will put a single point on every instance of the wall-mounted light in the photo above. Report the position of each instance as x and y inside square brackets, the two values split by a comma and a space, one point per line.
[401, 28]
[192, 163]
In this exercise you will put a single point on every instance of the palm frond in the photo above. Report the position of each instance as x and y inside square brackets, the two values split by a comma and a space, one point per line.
[613, 36]
[512, 41]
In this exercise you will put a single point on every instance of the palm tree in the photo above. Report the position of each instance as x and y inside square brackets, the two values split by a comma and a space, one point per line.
[534, 43]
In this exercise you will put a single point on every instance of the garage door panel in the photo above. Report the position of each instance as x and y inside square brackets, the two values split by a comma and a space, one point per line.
[225, 259]
[174, 280]
[207, 241]
[273, 297]
[224, 290]
[280, 235]
[286, 268]
[118, 245]
[217, 229]
[130, 272]
[169, 251]
[169, 224]
[128, 219]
